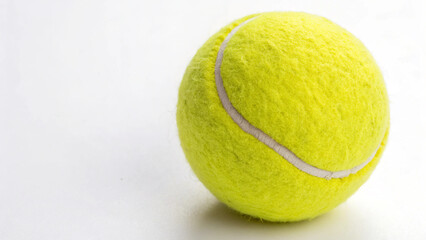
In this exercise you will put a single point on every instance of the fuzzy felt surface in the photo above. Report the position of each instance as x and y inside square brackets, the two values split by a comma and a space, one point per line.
[306, 82]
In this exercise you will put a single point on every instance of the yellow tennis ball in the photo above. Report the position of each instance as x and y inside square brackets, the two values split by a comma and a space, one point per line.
[283, 115]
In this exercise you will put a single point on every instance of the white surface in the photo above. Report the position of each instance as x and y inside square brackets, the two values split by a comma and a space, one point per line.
[88, 139]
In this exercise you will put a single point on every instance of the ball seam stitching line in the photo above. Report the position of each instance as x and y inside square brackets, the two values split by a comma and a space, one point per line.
[286, 153]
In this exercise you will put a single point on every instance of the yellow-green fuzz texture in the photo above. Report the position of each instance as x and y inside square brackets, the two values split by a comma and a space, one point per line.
[306, 82]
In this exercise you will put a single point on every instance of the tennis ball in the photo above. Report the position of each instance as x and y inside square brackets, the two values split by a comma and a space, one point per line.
[283, 115]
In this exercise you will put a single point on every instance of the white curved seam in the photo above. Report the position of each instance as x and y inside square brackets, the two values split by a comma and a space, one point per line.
[263, 137]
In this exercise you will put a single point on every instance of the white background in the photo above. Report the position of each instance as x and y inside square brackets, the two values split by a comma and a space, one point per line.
[88, 138]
